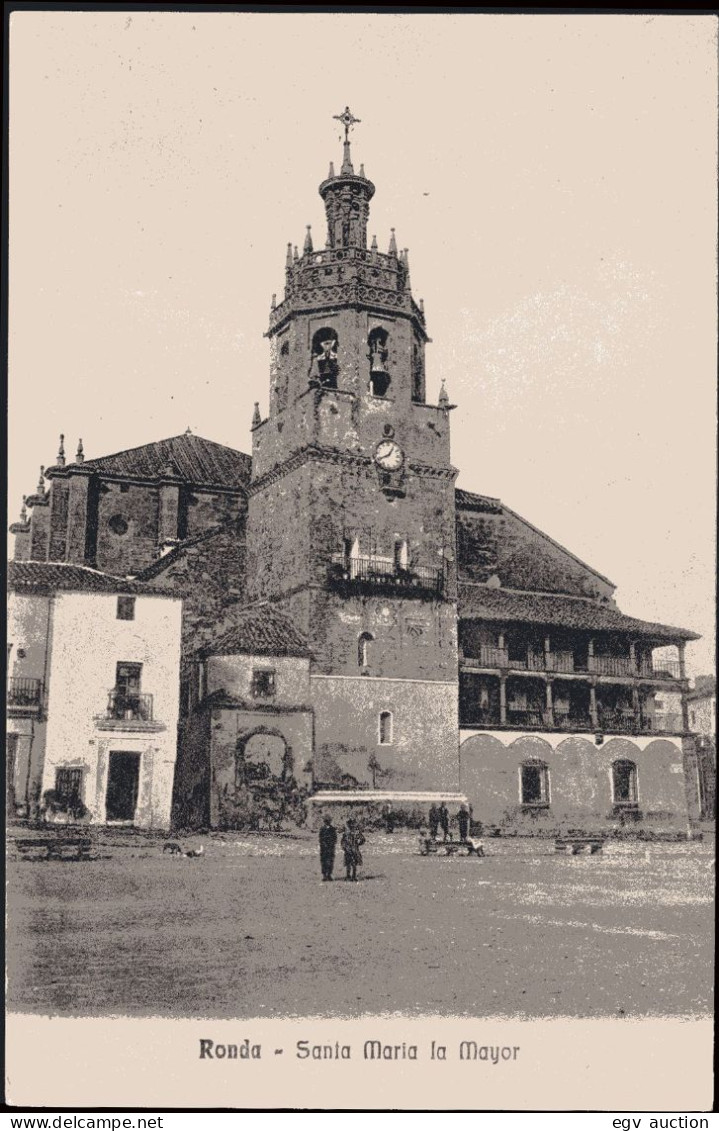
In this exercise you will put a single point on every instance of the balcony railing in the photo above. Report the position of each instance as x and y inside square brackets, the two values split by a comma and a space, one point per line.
[621, 721]
[661, 669]
[24, 692]
[491, 657]
[612, 665]
[129, 706]
[379, 573]
[571, 722]
[526, 718]
[667, 723]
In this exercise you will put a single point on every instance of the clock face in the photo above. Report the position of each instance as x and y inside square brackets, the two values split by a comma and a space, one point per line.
[388, 455]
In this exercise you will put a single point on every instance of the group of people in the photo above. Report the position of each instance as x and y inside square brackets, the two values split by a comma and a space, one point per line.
[352, 841]
[439, 819]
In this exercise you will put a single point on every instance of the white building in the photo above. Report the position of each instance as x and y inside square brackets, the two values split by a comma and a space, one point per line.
[92, 698]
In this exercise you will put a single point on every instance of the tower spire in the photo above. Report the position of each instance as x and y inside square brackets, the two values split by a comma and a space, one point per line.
[348, 120]
[346, 196]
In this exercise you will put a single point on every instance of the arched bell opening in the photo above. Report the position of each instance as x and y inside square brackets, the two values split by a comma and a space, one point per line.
[324, 368]
[379, 378]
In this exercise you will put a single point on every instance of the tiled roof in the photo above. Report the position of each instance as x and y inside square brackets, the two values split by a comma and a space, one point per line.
[50, 576]
[479, 602]
[198, 461]
[468, 500]
[260, 630]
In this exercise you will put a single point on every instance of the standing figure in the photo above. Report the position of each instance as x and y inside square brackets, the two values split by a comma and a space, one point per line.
[444, 820]
[328, 843]
[433, 821]
[352, 840]
[463, 822]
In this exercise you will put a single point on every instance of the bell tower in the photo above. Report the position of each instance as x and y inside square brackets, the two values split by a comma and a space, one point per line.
[351, 523]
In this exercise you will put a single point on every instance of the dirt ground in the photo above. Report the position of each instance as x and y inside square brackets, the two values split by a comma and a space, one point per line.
[248, 930]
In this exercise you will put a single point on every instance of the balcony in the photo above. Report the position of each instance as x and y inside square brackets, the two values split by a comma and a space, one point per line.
[489, 657]
[560, 662]
[564, 720]
[128, 711]
[670, 723]
[527, 717]
[24, 696]
[661, 669]
[564, 663]
[625, 666]
[612, 665]
[382, 574]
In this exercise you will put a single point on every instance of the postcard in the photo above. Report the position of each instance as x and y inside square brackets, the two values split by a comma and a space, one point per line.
[361, 691]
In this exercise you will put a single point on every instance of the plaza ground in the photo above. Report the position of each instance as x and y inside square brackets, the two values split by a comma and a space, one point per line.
[249, 930]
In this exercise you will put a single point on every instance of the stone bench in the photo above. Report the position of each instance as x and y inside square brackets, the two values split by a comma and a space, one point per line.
[428, 846]
[55, 848]
[572, 845]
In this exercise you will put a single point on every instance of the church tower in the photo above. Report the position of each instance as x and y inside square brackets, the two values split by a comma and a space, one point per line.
[351, 520]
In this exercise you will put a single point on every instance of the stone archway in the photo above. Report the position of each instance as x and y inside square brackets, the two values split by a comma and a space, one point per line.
[263, 747]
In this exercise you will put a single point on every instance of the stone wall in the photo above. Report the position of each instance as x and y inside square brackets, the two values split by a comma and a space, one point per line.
[422, 753]
[230, 729]
[210, 577]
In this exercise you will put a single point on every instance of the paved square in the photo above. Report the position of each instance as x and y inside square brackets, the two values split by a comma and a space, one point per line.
[249, 929]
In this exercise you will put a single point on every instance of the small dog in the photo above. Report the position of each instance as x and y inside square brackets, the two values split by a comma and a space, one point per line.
[173, 848]
[196, 851]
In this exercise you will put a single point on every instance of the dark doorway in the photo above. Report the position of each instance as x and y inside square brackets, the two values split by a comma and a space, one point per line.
[10, 769]
[122, 785]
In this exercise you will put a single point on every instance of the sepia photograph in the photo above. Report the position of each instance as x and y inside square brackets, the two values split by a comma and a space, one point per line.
[361, 684]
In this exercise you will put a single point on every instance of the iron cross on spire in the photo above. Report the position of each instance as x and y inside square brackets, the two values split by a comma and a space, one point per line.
[348, 120]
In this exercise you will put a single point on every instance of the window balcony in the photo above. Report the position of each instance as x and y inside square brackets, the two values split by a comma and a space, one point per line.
[130, 706]
[383, 574]
[128, 710]
[24, 695]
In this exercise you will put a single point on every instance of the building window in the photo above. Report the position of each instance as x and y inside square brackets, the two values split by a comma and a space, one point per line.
[125, 608]
[624, 783]
[201, 681]
[68, 785]
[385, 728]
[263, 684]
[534, 783]
[363, 649]
[126, 700]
